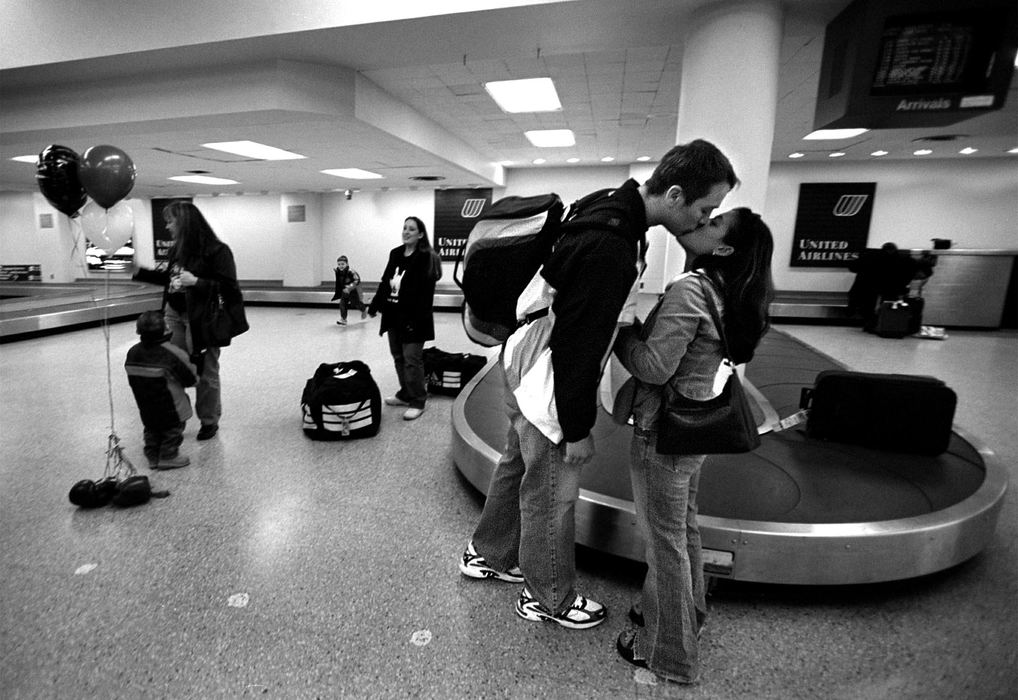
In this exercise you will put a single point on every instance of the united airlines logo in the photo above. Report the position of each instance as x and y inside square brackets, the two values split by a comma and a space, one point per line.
[472, 208]
[849, 204]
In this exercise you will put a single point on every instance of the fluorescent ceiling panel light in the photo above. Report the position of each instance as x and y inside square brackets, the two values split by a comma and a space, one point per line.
[551, 138]
[922, 152]
[607, 159]
[539, 161]
[643, 159]
[572, 160]
[354, 174]
[877, 154]
[836, 154]
[529, 95]
[251, 149]
[204, 180]
[797, 155]
[968, 151]
[831, 134]
[26, 159]
[1013, 150]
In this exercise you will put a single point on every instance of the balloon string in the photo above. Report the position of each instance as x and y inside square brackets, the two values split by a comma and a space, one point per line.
[109, 366]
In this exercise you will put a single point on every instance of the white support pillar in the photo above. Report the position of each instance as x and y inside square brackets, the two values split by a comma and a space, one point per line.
[729, 93]
[302, 239]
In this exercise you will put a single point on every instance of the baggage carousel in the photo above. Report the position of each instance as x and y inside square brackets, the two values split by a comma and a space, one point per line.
[793, 511]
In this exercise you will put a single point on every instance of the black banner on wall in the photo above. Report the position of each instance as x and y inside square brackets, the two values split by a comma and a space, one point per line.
[161, 240]
[455, 214]
[832, 223]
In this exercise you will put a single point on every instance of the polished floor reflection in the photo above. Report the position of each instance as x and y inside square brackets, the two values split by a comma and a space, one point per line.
[282, 567]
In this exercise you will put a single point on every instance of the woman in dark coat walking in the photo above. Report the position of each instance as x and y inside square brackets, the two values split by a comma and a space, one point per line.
[406, 299]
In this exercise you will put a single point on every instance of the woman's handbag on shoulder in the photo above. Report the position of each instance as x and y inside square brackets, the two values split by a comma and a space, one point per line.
[721, 425]
[224, 320]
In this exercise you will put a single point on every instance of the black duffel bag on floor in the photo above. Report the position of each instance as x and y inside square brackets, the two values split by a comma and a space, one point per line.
[449, 372]
[341, 402]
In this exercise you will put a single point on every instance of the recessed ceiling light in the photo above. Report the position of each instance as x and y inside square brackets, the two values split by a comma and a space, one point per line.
[539, 161]
[204, 180]
[354, 174]
[608, 159]
[506, 163]
[26, 159]
[529, 95]
[572, 160]
[830, 134]
[877, 154]
[551, 138]
[252, 149]
[968, 151]
[643, 159]
[922, 152]
[1013, 150]
[836, 154]
[797, 155]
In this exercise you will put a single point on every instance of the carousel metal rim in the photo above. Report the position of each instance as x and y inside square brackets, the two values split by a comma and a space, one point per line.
[954, 527]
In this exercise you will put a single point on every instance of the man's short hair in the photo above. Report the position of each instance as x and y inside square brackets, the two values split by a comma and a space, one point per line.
[696, 167]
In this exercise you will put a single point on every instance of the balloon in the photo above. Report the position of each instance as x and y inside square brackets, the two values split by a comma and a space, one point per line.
[107, 173]
[108, 229]
[57, 174]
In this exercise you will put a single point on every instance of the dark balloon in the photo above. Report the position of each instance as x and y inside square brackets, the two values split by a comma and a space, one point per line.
[107, 173]
[58, 177]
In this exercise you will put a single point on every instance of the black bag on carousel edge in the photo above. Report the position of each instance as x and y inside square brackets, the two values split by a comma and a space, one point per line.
[895, 412]
[449, 372]
[341, 402]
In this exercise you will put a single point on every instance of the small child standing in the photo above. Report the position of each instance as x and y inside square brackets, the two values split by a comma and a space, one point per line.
[158, 371]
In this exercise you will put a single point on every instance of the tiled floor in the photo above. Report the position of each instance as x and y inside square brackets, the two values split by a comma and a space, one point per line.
[281, 567]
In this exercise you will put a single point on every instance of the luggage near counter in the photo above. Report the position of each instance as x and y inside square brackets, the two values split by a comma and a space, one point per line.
[449, 372]
[341, 402]
[895, 412]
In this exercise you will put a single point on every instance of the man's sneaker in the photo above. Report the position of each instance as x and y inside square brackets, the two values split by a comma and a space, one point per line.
[395, 401]
[341, 322]
[473, 565]
[582, 614]
[412, 413]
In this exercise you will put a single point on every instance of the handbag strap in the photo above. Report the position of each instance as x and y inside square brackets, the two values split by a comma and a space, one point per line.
[714, 314]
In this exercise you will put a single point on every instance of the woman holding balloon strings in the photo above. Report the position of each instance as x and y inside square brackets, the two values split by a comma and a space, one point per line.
[197, 260]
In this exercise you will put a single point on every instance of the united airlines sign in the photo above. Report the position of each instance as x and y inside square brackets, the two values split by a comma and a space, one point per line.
[456, 210]
[832, 223]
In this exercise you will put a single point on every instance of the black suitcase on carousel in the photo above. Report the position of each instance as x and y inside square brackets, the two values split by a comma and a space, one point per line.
[449, 372]
[896, 412]
[341, 402]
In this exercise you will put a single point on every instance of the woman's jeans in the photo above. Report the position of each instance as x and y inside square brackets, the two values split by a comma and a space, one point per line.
[664, 492]
[528, 517]
[409, 360]
[208, 400]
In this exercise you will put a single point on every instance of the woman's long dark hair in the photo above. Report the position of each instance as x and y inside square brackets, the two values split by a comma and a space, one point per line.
[424, 244]
[195, 238]
[744, 281]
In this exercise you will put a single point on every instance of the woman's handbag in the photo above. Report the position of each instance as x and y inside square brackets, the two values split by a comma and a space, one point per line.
[223, 320]
[721, 425]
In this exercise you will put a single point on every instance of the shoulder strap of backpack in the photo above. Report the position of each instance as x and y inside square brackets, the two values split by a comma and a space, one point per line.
[597, 210]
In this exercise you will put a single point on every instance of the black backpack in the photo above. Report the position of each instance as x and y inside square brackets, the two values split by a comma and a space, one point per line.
[506, 248]
[341, 402]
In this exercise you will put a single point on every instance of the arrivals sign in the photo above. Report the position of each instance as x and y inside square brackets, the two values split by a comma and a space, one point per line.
[456, 211]
[832, 223]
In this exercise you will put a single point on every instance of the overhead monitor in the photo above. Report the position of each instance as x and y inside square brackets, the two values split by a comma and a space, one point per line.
[916, 63]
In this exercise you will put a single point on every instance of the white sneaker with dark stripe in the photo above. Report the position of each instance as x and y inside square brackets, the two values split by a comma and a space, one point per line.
[473, 565]
[582, 614]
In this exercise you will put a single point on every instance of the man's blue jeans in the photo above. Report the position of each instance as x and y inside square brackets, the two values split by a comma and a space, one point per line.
[528, 517]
